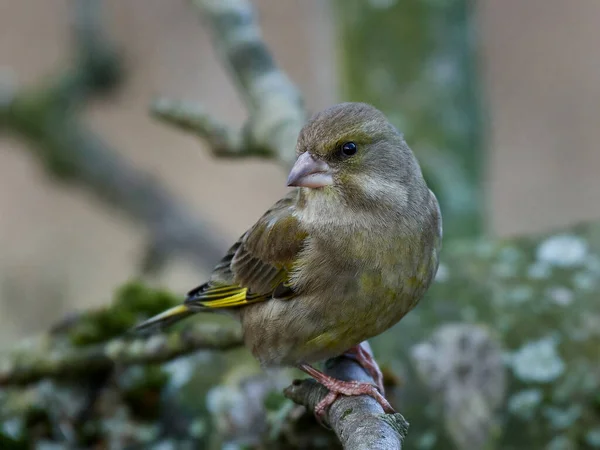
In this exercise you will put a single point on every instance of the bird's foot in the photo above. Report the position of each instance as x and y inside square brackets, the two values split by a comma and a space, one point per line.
[366, 360]
[339, 387]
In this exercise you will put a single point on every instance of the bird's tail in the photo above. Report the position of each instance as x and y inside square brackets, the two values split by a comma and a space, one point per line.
[164, 319]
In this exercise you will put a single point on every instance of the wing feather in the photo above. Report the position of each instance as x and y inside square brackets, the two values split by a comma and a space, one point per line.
[257, 265]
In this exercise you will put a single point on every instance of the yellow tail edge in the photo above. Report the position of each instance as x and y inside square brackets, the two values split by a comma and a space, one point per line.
[164, 319]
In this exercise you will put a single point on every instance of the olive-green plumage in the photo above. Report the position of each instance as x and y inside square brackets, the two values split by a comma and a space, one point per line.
[342, 257]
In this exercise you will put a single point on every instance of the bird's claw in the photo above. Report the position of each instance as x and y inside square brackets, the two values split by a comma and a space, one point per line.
[348, 388]
[322, 407]
[339, 387]
[366, 360]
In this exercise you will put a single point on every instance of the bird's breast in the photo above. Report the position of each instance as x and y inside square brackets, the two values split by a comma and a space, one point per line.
[350, 286]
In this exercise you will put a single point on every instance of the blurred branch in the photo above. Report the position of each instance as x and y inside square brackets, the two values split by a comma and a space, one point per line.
[45, 359]
[46, 116]
[75, 155]
[222, 139]
[359, 422]
[276, 112]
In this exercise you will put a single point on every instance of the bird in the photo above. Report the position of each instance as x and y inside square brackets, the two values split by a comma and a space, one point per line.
[344, 256]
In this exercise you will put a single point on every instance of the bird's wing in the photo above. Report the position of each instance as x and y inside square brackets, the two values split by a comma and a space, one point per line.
[256, 267]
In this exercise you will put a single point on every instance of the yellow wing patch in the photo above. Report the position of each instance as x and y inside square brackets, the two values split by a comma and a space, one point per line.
[223, 296]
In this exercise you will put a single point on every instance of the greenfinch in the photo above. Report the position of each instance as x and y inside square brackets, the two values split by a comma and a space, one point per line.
[344, 256]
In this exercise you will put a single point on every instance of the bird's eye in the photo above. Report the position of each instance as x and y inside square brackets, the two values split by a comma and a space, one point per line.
[349, 149]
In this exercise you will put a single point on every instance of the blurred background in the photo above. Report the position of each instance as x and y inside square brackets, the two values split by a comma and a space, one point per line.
[499, 99]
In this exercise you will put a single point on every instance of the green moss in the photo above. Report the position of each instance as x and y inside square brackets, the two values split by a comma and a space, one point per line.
[274, 400]
[37, 425]
[8, 443]
[90, 434]
[132, 303]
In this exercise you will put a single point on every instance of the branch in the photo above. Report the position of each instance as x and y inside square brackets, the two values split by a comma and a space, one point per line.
[274, 103]
[359, 422]
[75, 155]
[276, 112]
[45, 359]
[46, 116]
[223, 140]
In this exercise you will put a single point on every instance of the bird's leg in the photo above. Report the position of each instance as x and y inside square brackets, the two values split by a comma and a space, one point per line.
[364, 358]
[337, 387]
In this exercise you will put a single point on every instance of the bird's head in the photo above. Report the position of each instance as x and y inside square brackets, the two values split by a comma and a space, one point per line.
[351, 151]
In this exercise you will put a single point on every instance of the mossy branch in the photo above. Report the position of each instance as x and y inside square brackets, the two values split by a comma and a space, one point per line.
[94, 341]
[46, 359]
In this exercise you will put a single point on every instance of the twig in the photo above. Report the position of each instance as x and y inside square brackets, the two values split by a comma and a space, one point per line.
[223, 140]
[276, 112]
[274, 104]
[359, 422]
[46, 359]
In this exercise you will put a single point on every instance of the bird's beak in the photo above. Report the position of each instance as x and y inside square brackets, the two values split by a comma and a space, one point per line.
[310, 172]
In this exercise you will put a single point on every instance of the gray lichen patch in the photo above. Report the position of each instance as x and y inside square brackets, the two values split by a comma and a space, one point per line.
[519, 294]
[525, 404]
[592, 438]
[463, 365]
[561, 442]
[539, 270]
[538, 361]
[563, 250]
[560, 295]
[562, 418]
